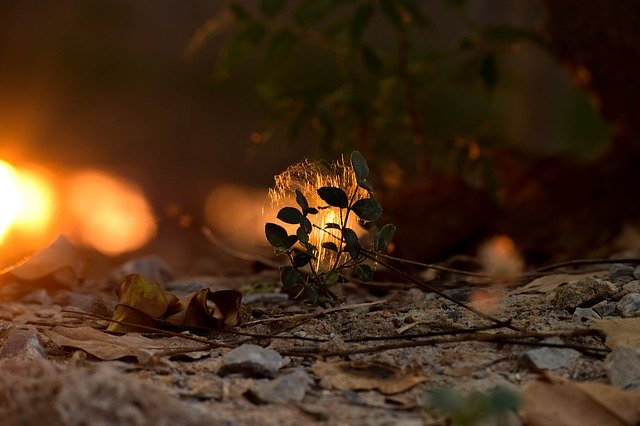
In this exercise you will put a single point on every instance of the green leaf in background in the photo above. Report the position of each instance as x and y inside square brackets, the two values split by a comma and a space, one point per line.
[302, 235]
[364, 272]
[301, 258]
[384, 237]
[333, 196]
[289, 276]
[360, 166]
[332, 225]
[351, 242]
[367, 209]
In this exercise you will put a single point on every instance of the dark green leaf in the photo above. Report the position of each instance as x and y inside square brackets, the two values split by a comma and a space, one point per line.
[311, 249]
[289, 276]
[365, 185]
[312, 11]
[351, 242]
[359, 165]
[312, 210]
[330, 246]
[332, 225]
[272, 8]
[301, 258]
[306, 225]
[290, 215]
[302, 235]
[384, 237]
[360, 20]
[330, 279]
[302, 201]
[312, 294]
[489, 71]
[333, 196]
[367, 209]
[365, 273]
[278, 237]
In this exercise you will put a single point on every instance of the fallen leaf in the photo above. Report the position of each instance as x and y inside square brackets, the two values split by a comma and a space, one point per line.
[140, 302]
[551, 282]
[556, 401]
[625, 331]
[367, 375]
[109, 347]
[57, 265]
[206, 309]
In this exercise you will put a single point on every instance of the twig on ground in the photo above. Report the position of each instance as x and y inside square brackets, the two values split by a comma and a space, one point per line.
[315, 314]
[498, 338]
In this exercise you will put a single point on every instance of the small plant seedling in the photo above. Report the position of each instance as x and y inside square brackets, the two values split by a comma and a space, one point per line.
[325, 245]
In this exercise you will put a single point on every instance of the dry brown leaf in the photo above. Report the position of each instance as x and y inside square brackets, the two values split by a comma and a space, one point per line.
[57, 265]
[143, 303]
[556, 401]
[109, 347]
[624, 331]
[140, 302]
[367, 375]
[551, 282]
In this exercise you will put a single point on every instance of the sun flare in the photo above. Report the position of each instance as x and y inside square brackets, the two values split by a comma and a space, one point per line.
[9, 197]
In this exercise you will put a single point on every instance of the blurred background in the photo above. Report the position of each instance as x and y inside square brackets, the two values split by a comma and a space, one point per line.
[129, 125]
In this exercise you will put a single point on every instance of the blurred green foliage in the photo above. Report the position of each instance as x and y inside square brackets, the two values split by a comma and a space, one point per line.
[373, 75]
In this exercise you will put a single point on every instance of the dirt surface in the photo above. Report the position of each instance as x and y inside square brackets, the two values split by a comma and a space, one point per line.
[340, 380]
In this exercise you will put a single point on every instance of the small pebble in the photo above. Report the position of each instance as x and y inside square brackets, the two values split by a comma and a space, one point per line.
[605, 308]
[251, 360]
[23, 344]
[582, 315]
[632, 286]
[629, 306]
[620, 270]
[623, 367]
[585, 292]
[286, 388]
[550, 358]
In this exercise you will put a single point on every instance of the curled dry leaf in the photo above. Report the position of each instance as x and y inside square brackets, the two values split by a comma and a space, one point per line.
[554, 400]
[145, 304]
[57, 265]
[367, 375]
[625, 331]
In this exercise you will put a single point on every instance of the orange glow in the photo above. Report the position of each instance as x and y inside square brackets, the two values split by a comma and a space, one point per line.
[110, 214]
[235, 213]
[37, 202]
[500, 258]
[9, 197]
[27, 201]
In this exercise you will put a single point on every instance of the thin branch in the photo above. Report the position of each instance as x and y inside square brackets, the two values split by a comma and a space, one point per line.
[372, 256]
[579, 262]
[436, 267]
[316, 314]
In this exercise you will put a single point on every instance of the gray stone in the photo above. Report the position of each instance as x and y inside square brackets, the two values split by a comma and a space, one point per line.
[585, 292]
[549, 358]
[629, 306]
[636, 273]
[286, 388]
[24, 345]
[184, 286]
[605, 308]
[620, 270]
[582, 315]
[632, 286]
[623, 367]
[251, 360]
